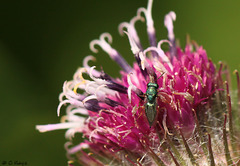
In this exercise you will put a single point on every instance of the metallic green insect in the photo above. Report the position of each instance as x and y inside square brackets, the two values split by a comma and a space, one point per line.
[151, 100]
[150, 106]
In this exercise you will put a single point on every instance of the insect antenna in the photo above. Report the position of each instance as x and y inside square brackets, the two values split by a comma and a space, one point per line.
[161, 75]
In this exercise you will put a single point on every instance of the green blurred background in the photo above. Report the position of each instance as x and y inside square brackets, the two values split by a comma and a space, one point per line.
[42, 43]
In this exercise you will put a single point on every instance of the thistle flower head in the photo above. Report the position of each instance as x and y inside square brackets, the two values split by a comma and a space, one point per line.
[165, 109]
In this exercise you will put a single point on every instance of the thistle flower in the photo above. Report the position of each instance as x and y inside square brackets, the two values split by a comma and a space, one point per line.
[169, 108]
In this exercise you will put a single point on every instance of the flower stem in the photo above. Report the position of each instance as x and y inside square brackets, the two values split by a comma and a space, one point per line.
[211, 157]
[173, 148]
[193, 161]
[204, 145]
[174, 159]
[225, 143]
[156, 159]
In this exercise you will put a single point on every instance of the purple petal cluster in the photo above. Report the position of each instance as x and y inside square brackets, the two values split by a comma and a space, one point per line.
[187, 86]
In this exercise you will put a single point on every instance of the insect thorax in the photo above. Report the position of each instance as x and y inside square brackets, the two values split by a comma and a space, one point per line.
[154, 85]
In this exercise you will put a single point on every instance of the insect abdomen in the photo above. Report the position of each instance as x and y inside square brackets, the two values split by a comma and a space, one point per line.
[151, 112]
